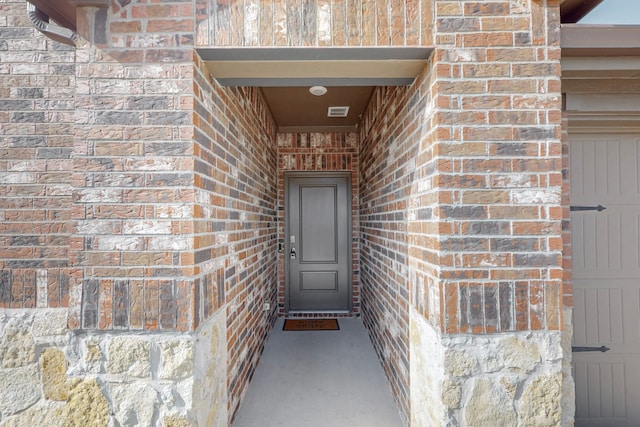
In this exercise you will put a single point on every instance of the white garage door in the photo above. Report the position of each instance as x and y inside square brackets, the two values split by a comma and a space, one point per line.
[604, 170]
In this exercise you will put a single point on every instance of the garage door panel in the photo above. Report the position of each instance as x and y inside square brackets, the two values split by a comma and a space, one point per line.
[629, 161]
[601, 326]
[609, 301]
[604, 390]
[604, 170]
[605, 244]
[593, 330]
[579, 316]
[600, 389]
[607, 316]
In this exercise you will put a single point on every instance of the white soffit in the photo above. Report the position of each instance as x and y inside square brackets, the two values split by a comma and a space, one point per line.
[272, 67]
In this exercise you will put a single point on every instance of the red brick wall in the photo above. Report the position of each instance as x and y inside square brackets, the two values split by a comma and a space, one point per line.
[319, 152]
[393, 128]
[235, 220]
[37, 78]
[133, 169]
[319, 23]
[498, 176]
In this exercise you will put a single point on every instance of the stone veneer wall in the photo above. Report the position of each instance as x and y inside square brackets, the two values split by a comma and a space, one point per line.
[76, 379]
[320, 152]
[210, 402]
[485, 380]
[37, 111]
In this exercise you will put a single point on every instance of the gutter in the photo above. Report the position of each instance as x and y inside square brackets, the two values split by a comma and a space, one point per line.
[42, 23]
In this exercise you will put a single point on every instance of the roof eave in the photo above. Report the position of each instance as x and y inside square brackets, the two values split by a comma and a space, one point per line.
[572, 11]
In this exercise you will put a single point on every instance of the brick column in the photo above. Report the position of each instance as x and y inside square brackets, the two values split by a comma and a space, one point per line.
[485, 229]
[133, 168]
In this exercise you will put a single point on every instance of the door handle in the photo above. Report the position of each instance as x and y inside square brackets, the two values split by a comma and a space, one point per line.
[602, 349]
[292, 254]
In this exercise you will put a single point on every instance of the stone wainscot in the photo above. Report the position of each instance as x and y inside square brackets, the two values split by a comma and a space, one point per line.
[73, 379]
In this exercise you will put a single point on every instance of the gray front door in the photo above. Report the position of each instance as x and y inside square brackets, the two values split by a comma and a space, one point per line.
[318, 241]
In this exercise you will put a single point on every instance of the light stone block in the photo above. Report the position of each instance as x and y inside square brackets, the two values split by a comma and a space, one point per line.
[210, 373]
[174, 420]
[488, 405]
[426, 373]
[52, 412]
[17, 347]
[183, 394]
[451, 394]
[540, 404]
[459, 363]
[87, 405]
[134, 404]
[20, 389]
[49, 322]
[53, 370]
[510, 385]
[519, 355]
[130, 356]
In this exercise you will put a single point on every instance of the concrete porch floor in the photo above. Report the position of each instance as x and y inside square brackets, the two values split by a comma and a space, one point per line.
[319, 378]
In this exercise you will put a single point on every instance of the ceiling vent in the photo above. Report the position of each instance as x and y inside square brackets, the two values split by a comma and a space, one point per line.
[338, 112]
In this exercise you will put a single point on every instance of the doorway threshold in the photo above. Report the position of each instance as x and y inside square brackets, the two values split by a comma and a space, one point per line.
[320, 314]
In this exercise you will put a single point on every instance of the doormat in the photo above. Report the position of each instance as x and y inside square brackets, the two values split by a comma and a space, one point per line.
[311, 325]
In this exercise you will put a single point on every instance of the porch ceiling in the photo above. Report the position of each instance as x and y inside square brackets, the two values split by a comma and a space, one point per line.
[286, 74]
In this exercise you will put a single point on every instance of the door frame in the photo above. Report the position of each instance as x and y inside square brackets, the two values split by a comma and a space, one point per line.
[287, 245]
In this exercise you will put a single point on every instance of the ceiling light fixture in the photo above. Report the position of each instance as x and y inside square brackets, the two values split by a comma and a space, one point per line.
[318, 90]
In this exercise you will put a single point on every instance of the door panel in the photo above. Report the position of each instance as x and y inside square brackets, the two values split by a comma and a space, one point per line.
[318, 281]
[318, 237]
[318, 221]
[606, 271]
